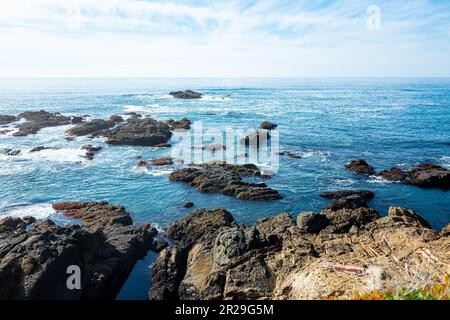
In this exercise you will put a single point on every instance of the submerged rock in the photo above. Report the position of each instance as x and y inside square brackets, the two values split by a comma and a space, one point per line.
[36, 255]
[266, 125]
[218, 177]
[188, 94]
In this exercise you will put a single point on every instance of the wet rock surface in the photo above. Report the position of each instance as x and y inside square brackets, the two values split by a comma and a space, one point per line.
[37, 120]
[219, 177]
[267, 125]
[321, 255]
[6, 119]
[426, 175]
[35, 255]
[188, 94]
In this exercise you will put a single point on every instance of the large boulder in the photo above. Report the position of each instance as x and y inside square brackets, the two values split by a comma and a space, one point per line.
[188, 94]
[218, 177]
[360, 167]
[36, 120]
[35, 255]
[429, 176]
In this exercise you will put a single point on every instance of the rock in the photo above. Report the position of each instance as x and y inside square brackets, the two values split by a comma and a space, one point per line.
[188, 94]
[188, 205]
[266, 125]
[183, 124]
[212, 147]
[41, 148]
[409, 217]
[256, 139]
[139, 132]
[311, 222]
[143, 163]
[348, 199]
[226, 179]
[445, 232]
[9, 152]
[35, 121]
[162, 161]
[94, 127]
[429, 176]
[91, 151]
[393, 174]
[159, 244]
[35, 255]
[360, 167]
[212, 257]
[6, 119]
[76, 120]
[162, 145]
[115, 119]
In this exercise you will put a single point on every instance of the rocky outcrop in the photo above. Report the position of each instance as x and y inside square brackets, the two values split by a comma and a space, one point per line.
[91, 151]
[188, 94]
[289, 154]
[162, 161]
[219, 177]
[331, 254]
[41, 148]
[425, 175]
[360, 167]
[183, 124]
[37, 120]
[256, 139]
[7, 119]
[139, 132]
[35, 255]
[266, 125]
[94, 127]
[348, 199]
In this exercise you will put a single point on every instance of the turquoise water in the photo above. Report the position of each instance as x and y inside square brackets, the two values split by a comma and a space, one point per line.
[388, 122]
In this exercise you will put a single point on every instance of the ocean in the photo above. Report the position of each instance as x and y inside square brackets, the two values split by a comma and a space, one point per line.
[388, 122]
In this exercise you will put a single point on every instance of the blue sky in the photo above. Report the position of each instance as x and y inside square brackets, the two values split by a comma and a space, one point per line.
[285, 38]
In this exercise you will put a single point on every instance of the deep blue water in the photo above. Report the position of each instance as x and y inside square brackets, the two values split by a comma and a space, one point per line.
[329, 122]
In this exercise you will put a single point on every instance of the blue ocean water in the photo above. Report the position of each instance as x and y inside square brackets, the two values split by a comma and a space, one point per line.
[388, 122]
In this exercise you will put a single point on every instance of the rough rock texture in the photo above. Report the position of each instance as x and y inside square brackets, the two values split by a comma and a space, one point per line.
[183, 124]
[162, 161]
[6, 119]
[360, 167]
[36, 120]
[188, 94]
[333, 254]
[266, 125]
[41, 148]
[426, 175]
[290, 154]
[219, 177]
[94, 127]
[348, 199]
[35, 255]
[91, 151]
[139, 132]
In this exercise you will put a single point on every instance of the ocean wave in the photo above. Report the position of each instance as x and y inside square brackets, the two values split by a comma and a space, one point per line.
[56, 155]
[379, 180]
[152, 171]
[39, 211]
[445, 160]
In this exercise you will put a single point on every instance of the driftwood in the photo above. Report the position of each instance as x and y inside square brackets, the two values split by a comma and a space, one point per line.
[344, 268]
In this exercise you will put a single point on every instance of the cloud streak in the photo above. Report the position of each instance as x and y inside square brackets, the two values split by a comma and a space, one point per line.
[222, 39]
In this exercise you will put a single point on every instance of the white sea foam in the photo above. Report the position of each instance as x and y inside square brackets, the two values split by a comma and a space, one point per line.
[152, 171]
[446, 160]
[38, 211]
[380, 180]
[216, 98]
[56, 155]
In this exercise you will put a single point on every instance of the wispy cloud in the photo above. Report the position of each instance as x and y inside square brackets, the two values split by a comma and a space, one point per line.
[226, 38]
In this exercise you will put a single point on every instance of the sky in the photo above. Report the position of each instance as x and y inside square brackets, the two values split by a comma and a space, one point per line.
[234, 38]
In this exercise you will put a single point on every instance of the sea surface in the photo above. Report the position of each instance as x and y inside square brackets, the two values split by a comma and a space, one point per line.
[388, 122]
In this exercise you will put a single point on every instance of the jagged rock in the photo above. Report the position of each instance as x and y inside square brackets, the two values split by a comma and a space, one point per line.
[348, 199]
[183, 124]
[76, 120]
[41, 148]
[93, 127]
[115, 119]
[6, 119]
[162, 145]
[360, 167]
[35, 255]
[266, 125]
[224, 178]
[188, 205]
[342, 220]
[429, 175]
[91, 151]
[393, 174]
[162, 161]
[188, 94]
[139, 132]
[365, 194]
[36, 120]
[311, 222]
[407, 216]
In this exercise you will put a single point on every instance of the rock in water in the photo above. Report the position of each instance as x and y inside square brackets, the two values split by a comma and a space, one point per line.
[35, 255]
[188, 94]
[6, 119]
[227, 179]
[360, 167]
[183, 124]
[162, 161]
[393, 174]
[36, 120]
[430, 176]
[93, 127]
[139, 132]
[266, 125]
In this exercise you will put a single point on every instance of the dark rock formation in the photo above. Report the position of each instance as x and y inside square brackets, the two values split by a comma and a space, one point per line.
[6, 119]
[266, 125]
[348, 199]
[35, 255]
[36, 120]
[183, 124]
[139, 132]
[256, 139]
[188, 205]
[94, 127]
[76, 120]
[425, 175]
[213, 257]
[360, 167]
[290, 154]
[162, 145]
[41, 148]
[91, 151]
[115, 119]
[218, 177]
[188, 94]
[162, 161]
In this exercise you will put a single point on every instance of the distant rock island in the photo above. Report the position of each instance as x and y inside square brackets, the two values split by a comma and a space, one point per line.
[188, 94]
